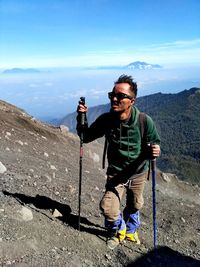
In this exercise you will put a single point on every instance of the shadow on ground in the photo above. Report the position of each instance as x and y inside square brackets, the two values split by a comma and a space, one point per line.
[164, 257]
[46, 203]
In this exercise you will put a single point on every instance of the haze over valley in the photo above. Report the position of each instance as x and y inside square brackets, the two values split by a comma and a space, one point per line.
[49, 94]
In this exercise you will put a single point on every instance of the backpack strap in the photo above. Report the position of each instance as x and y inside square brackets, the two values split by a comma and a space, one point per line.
[143, 123]
[104, 152]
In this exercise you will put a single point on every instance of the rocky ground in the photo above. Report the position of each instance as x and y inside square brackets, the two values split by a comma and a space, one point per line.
[39, 179]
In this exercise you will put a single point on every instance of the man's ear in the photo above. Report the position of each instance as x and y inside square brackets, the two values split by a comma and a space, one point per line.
[133, 101]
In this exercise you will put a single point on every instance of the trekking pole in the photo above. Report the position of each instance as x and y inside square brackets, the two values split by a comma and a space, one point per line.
[82, 101]
[153, 168]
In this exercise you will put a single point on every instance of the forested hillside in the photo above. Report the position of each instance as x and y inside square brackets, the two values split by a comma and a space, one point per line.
[178, 122]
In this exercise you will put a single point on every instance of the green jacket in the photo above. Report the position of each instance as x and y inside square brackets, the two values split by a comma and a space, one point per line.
[125, 144]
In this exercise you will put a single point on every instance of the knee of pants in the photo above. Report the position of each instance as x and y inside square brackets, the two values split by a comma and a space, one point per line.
[137, 204]
[110, 208]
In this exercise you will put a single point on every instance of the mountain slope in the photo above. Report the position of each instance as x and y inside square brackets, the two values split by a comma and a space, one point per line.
[178, 122]
[39, 181]
[176, 116]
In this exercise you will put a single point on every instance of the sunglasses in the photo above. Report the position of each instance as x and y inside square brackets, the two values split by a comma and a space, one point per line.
[119, 96]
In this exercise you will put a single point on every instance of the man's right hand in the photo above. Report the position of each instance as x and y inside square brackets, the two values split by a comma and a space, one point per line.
[82, 108]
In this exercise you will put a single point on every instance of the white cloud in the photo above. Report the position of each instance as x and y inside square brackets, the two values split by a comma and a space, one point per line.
[34, 85]
[174, 53]
[48, 84]
[171, 53]
[178, 44]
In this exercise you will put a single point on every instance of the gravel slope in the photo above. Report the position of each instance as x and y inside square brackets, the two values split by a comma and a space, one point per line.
[39, 178]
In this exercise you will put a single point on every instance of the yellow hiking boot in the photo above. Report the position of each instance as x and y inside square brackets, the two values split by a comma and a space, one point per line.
[133, 238]
[121, 235]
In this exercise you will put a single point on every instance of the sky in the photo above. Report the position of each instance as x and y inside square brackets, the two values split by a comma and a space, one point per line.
[62, 38]
[63, 33]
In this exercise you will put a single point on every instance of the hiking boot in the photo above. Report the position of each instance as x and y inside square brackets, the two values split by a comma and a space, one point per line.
[121, 235]
[133, 238]
[114, 240]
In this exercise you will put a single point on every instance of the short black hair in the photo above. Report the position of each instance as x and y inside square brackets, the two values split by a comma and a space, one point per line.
[128, 79]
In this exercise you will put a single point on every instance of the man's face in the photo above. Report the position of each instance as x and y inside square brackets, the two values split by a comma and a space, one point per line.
[120, 103]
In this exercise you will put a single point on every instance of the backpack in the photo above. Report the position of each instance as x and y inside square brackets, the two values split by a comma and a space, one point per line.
[143, 122]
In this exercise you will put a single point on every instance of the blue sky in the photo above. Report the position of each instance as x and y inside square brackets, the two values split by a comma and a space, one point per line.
[53, 34]
[73, 33]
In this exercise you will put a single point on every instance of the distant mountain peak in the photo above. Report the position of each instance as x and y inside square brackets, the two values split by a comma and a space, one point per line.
[137, 65]
[21, 71]
[140, 65]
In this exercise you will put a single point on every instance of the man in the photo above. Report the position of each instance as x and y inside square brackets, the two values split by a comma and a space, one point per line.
[127, 154]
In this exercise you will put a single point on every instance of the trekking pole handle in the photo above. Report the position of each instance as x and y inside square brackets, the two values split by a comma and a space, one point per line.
[82, 101]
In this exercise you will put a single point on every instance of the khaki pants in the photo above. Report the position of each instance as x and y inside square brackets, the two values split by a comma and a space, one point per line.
[110, 203]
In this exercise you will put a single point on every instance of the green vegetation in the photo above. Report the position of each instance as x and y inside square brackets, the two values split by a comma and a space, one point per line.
[177, 117]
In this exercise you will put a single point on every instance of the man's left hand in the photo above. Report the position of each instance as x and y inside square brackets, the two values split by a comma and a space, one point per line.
[155, 150]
